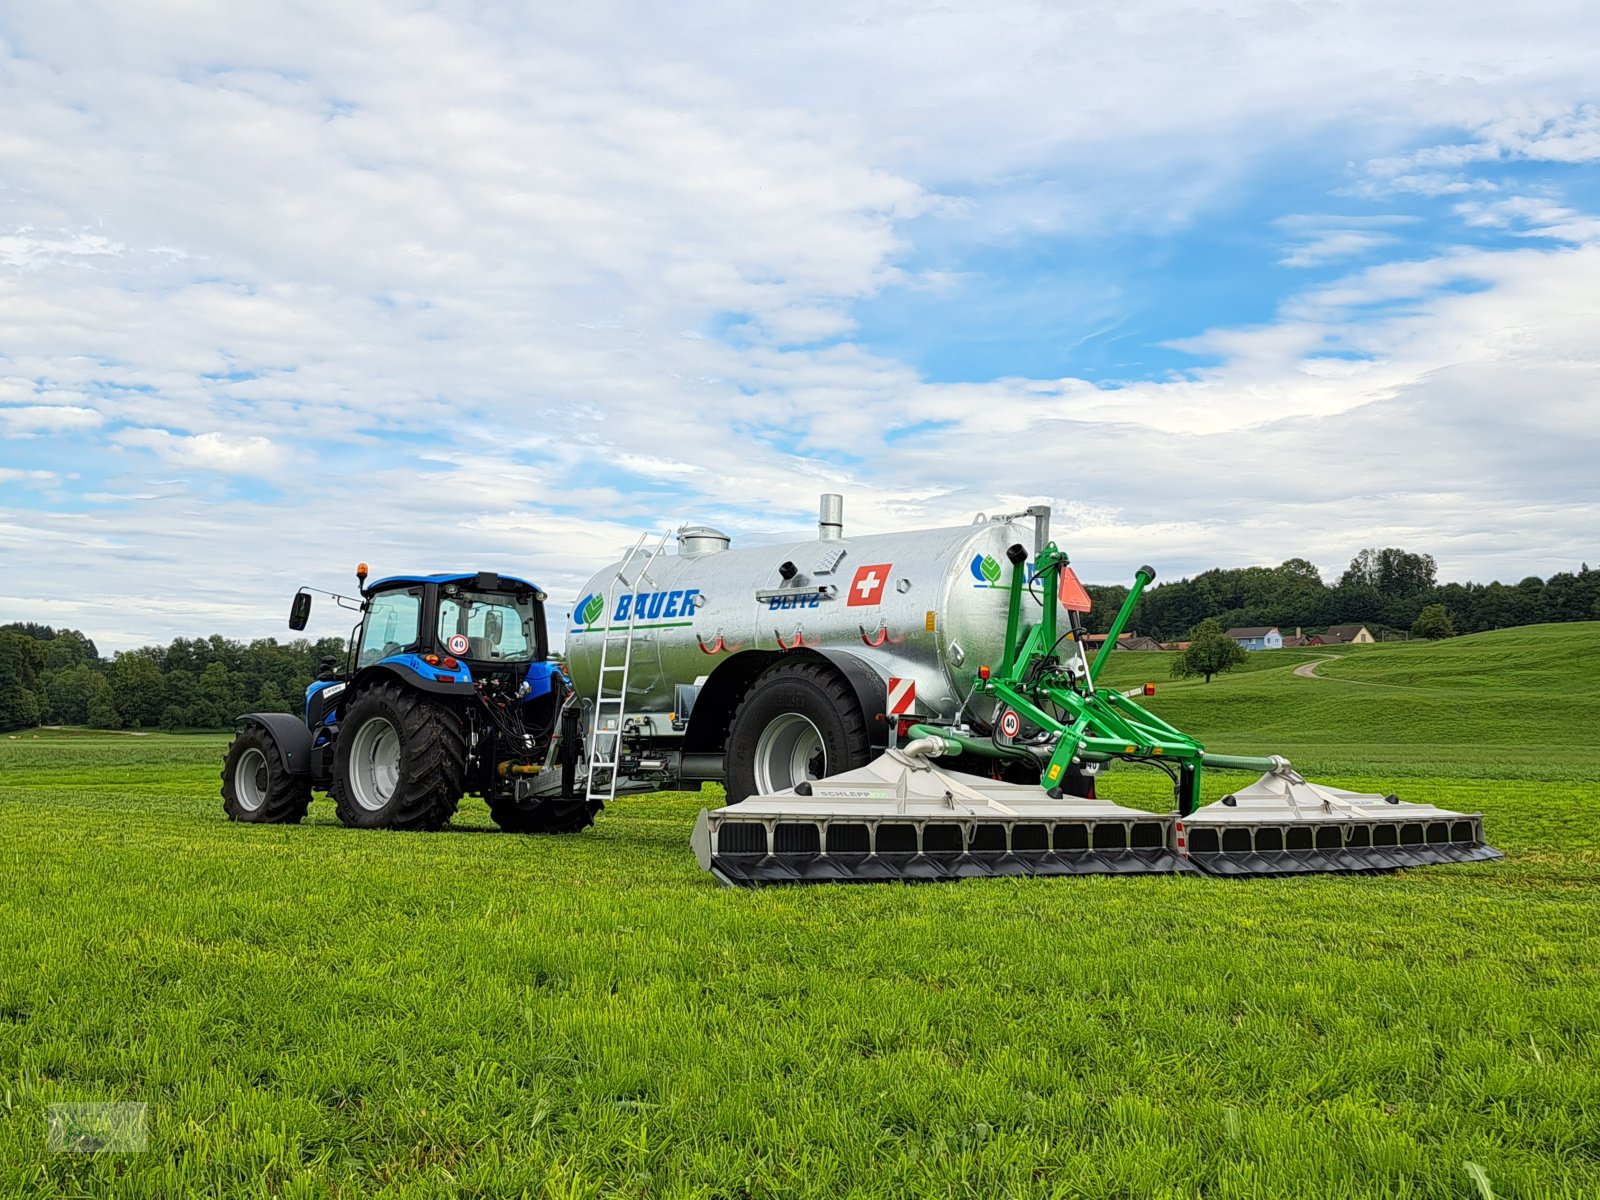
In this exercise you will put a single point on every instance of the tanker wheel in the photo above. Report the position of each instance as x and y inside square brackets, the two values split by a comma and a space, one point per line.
[256, 786]
[399, 761]
[798, 721]
[555, 815]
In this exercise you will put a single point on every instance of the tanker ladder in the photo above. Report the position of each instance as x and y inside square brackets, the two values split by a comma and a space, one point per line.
[611, 688]
[901, 817]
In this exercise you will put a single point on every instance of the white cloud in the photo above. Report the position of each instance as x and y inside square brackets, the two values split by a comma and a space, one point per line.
[25, 249]
[26, 419]
[501, 293]
[210, 451]
[1521, 131]
[1534, 216]
[29, 478]
[1335, 244]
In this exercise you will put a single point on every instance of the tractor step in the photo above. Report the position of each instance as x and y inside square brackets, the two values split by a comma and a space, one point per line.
[1283, 825]
[901, 818]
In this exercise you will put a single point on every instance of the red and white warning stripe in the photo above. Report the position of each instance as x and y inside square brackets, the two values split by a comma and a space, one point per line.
[902, 696]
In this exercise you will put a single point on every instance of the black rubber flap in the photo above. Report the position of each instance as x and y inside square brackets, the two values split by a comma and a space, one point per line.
[1335, 847]
[746, 870]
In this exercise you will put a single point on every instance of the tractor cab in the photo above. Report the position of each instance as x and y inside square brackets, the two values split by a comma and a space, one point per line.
[488, 622]
[480, 622]
[449, 633]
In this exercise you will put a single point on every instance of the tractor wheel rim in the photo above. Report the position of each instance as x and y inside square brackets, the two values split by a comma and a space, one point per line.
[251, 780]
[375, 764]
[788, 751]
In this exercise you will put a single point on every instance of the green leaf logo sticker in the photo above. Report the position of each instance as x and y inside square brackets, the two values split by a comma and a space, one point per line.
[990, 569]
[593, 609]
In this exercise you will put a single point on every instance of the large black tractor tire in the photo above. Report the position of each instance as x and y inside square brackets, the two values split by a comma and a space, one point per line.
[801, 720]
[554, 815]
[400, 761]
[256, 786]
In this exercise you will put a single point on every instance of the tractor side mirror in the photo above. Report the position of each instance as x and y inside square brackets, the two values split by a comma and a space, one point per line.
[300, 610]
[493, 626]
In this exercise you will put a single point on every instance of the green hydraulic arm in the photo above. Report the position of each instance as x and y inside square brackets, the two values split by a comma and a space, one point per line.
[1056, 692]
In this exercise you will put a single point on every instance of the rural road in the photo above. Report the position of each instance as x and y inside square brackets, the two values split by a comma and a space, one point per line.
[1308, 670]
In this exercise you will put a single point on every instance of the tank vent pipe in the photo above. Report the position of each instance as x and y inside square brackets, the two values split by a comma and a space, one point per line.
[830, 518]
[1041, 527]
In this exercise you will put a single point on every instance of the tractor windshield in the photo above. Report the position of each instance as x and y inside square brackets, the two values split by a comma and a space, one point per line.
[497, 625]
[392, 625]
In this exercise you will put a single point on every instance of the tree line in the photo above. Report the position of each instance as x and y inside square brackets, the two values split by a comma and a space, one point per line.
[57, 677]
[1384, 589]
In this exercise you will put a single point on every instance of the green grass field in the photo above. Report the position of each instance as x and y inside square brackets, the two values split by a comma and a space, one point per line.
[312, 1011]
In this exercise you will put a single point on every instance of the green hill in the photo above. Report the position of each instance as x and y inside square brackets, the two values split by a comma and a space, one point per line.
[1516, 703]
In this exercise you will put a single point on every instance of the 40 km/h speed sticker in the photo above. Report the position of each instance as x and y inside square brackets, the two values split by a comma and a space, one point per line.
[457, 644]
[1010, 723]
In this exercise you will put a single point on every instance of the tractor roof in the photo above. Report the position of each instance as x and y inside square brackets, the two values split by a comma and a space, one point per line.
[482, 580]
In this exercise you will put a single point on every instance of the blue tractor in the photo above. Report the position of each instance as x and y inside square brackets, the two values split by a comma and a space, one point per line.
[447, 689]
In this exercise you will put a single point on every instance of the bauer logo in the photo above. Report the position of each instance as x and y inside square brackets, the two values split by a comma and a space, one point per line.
[643, 609]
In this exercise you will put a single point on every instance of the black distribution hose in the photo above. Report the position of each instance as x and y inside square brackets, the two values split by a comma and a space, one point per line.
[501, 718]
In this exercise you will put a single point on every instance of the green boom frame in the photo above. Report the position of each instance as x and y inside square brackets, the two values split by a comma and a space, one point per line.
[1059, 694]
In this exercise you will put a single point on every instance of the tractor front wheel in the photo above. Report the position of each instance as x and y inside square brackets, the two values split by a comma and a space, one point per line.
[399, 762]
[256, 786]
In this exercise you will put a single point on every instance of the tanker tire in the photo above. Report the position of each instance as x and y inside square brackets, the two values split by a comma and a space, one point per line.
[547, 816]
[256, 786]
[813, 691]
[399, 762]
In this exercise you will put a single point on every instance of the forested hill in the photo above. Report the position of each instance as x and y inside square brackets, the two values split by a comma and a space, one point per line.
[1382, 589]
[57, 677]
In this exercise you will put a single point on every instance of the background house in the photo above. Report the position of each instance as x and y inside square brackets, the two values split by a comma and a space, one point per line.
[1341, 635]
[1126, 641]
[1260, 637]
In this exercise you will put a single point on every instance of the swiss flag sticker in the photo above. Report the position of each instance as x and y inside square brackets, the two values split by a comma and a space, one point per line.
[867, 586]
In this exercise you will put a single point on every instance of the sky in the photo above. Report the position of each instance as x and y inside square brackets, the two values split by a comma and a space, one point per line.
[285, 286]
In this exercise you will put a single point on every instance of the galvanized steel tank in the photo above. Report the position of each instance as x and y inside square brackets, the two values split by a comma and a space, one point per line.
[927, 605]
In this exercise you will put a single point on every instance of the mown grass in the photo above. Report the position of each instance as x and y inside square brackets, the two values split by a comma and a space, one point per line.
[314, 1011]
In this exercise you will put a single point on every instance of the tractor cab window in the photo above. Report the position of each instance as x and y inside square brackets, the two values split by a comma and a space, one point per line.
[497, 625]
[394, 619]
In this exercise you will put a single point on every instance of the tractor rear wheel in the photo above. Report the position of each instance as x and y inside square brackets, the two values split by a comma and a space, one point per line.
[400, 761]
[799, 721]
[555, 815]
[256, 786]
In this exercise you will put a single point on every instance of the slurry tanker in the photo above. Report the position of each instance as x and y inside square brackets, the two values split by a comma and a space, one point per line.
[905, 706]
